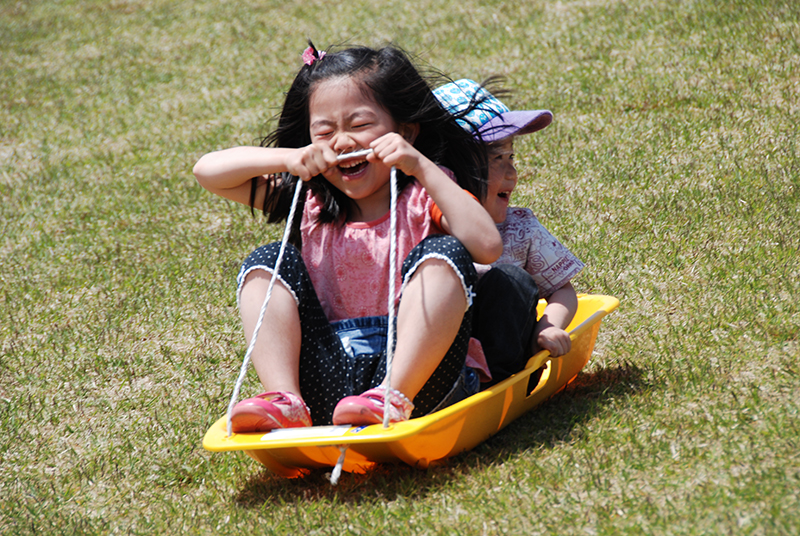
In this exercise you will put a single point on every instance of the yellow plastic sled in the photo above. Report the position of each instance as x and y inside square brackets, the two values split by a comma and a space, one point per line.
[293, 452]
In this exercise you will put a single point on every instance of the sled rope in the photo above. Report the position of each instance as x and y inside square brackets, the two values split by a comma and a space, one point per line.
[246, 361]
[337, 469]
[390, 307]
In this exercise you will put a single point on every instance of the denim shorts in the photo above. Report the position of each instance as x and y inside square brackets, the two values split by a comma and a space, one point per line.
[331, 369]
[368, 335]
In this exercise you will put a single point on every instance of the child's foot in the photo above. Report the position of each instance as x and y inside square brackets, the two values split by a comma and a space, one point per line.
[269, 411]
[368, 407]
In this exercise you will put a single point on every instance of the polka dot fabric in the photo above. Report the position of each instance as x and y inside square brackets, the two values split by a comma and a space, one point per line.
[327, 372]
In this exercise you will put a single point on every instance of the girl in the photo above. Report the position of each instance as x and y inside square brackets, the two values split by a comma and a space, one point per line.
[534, 263]
[317, 356]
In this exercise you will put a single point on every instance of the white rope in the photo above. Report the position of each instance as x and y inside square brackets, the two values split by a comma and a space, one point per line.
[392, 276]
[276, 271]
[246, 361]
[337, 470]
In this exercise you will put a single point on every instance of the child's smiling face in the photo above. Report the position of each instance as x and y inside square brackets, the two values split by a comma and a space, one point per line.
[502, 178]
[343, 116]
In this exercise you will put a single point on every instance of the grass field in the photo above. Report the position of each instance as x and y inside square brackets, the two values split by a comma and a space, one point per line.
[672, 170]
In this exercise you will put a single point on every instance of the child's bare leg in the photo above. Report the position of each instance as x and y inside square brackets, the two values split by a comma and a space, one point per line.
[276, 356]
[428, 321]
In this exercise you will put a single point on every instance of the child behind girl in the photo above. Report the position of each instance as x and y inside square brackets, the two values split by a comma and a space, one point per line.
[534, 263]
[315, 355]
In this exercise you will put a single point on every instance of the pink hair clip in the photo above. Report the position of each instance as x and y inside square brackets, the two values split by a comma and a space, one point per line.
[310, 55]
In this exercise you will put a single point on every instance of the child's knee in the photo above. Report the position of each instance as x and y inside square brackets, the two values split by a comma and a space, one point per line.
[446, 248]
[435, 263]
[441, 274]
[437, 271]
[256, 281]
[257, 276]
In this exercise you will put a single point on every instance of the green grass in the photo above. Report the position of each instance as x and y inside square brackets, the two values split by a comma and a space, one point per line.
[671, 169]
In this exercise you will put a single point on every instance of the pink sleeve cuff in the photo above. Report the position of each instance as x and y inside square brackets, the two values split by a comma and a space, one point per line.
[476, 359]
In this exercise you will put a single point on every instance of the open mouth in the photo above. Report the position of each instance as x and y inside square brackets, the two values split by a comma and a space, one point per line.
[353, 163]
[353, 167]
[504, 195]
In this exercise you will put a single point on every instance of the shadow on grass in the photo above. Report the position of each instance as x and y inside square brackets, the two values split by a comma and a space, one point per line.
[554, 421]
[551, 423]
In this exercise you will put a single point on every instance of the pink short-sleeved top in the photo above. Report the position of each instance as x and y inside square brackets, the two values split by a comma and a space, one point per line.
[349, 264]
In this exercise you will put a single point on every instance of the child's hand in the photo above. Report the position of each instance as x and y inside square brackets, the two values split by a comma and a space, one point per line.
[555, 340]
[394, 150]
[310, 161]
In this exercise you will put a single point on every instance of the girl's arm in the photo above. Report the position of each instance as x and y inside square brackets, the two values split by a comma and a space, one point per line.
[227, 173]
[549, 333]
[463, 216]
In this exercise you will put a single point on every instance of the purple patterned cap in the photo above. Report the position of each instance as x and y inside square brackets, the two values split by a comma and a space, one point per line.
[491, 118]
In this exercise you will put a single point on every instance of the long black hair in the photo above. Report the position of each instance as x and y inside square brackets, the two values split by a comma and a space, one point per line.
[392, 80]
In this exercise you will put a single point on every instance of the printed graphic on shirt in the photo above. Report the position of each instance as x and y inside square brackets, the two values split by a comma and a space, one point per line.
[527, 244]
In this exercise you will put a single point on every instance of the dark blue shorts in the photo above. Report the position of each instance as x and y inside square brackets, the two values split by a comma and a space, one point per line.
[504, 318]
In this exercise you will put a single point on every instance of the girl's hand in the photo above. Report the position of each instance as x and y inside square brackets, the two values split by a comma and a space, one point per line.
[394, 150]
[554, 339]
[310, 161]
[463, 217]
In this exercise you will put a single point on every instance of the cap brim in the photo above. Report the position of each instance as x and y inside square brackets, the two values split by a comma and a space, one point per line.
[515, 123]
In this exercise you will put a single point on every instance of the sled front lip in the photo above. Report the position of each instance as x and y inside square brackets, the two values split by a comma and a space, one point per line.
[217, 440]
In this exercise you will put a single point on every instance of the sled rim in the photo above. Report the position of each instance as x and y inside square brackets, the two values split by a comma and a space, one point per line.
[217, 440]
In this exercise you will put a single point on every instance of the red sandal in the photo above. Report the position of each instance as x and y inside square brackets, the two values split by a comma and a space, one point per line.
[368, 408]
[268, 411]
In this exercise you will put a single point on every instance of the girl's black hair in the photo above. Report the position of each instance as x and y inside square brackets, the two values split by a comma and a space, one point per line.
[391, 79]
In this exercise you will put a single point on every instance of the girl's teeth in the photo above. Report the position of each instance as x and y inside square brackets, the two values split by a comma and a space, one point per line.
[351, 166]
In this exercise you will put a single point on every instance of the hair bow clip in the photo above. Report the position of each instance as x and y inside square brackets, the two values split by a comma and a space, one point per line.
[310, 55]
